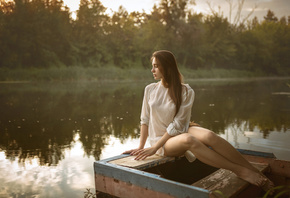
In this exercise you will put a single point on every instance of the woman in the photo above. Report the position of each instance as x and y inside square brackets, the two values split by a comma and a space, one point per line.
[165, 117]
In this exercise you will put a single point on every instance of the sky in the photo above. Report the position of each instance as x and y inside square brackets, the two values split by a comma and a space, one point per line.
[280, 7]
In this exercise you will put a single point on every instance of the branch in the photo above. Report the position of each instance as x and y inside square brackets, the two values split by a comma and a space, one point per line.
[211, 9]
[252, 11]
[230, 2]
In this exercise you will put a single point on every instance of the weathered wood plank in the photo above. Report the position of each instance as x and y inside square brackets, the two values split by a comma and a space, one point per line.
[150, 161]
[123, 189]
[212, 179]
[230, 186]
[119, 181]
[226, 181]
[281, 167]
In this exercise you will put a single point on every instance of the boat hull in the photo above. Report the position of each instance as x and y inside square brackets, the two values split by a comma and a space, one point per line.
[161, 177]
[128, 182]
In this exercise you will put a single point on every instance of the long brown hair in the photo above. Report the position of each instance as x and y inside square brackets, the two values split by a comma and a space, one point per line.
[172, 78]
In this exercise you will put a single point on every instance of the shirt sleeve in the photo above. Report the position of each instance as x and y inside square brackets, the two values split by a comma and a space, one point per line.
[181, 121]
[145, 111]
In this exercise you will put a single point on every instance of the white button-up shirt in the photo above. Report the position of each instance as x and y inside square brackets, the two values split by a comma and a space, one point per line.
[158, 110]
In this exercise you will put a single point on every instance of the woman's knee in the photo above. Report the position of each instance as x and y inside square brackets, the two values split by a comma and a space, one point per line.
[190, 141]
[206, 136]
[210, 136]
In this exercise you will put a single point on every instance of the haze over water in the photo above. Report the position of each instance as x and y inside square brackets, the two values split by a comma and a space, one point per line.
[51, 133]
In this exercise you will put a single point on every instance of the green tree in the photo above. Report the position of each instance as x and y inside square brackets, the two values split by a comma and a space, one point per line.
[41, 33]
[165, 28]
[152, 35]
[270, 17]
[253, 23]
[265, 47]
[89, 33]
[218, 42]
[121, 38]
[191, 54]
[283, 20]
[35, 34]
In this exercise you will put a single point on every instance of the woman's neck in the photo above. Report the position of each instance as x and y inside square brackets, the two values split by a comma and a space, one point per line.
[165, 84]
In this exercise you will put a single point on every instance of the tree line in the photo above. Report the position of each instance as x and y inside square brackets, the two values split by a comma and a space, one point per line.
[42, 120]
[42, 33]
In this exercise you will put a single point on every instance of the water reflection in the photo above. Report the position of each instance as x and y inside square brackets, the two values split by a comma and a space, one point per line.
[29, 179]
[254, 102]
[50, 134]
[276, 142]
[42, 121]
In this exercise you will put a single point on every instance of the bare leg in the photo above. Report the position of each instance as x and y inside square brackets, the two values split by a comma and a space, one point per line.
[221, 146]
[225, 149]
[179, 144]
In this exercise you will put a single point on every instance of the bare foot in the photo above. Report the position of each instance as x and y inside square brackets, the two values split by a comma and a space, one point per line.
[258, 179]
[253, 177]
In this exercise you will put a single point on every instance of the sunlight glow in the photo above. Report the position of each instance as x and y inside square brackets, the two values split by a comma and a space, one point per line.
[76, 149]
[73, 5]
[2, 155]
[113, 6]
[199, 9]
[130, 5]
[116, 147]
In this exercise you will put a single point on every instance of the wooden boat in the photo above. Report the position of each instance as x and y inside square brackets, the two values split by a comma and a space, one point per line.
[166, 177]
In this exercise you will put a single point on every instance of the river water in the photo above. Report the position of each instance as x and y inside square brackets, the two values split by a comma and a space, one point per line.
[51, 133]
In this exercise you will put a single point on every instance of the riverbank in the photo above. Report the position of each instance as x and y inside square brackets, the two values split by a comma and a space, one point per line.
[112, 73]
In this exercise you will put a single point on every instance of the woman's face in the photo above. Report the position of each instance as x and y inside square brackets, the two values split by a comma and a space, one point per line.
[156, 69]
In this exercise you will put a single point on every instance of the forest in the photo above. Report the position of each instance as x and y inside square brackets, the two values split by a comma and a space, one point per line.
[43, 34]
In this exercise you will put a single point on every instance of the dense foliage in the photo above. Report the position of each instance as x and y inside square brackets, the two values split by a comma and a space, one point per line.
[42, 33]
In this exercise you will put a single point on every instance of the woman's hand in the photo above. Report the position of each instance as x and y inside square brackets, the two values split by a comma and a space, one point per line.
[132, 151]
[142, 154]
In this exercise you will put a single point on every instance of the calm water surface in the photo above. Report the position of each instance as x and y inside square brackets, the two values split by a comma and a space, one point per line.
[50, 134]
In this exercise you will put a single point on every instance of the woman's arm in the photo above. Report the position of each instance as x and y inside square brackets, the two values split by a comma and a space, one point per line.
[181, 121]
[145, 114]
[142, 141]
[143, 136]
[144, 153]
